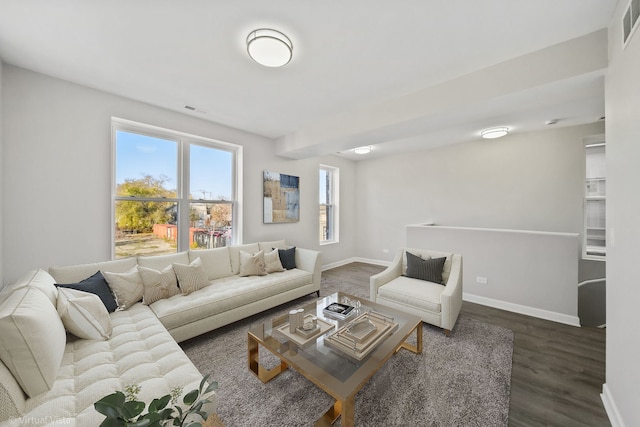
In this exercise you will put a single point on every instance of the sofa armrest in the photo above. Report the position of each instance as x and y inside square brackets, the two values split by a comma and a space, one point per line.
[309, 260]
[394, 270]
[11, 395]
[451, 298]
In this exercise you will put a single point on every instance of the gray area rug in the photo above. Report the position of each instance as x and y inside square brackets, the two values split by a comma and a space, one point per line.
[463, 380]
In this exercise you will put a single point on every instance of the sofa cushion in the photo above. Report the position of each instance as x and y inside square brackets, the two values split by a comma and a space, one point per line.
[98, 285]
[127, 287]
[35, 278]
[158, 284]
[234, 254]
[226, 294]
[429, 269]
[272, 262]
[252, 264]
[191, 277]
[32, 339]
[216, 262]
[83, 314]
[288, 257]
[76, 273]
[413, 292]
[267, 246]
[158, 262]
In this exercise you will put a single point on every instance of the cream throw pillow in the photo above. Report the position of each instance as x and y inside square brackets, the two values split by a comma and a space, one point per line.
[191, 277]
[83, 314]
[126, 287]
[272, 262]
[252, 265]
[32, 339]
[158, 284]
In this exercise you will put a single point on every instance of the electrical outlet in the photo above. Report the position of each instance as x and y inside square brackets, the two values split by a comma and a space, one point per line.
[482, 280]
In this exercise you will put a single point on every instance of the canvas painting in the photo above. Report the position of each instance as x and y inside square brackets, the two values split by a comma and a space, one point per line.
[281, 198]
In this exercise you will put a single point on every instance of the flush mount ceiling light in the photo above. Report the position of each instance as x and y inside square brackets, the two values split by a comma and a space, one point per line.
[362, 150]
[269, 47]
[494, 133]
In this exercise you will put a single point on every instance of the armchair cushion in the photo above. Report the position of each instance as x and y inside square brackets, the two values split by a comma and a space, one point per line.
[403, 290]
[429, 269]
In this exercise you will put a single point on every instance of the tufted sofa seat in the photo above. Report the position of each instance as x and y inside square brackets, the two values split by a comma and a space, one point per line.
[142, 348]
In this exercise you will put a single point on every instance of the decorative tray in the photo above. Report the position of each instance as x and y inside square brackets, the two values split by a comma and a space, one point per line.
[358, 338]
[302, 337]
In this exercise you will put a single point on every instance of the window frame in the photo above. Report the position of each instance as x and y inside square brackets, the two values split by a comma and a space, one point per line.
[592, 142]
[183, 143]
[332, 203]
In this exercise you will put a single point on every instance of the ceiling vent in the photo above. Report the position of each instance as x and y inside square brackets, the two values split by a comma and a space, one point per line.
[630, 20]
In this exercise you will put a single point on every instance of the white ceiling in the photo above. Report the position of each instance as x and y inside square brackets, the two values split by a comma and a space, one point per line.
[350, 57]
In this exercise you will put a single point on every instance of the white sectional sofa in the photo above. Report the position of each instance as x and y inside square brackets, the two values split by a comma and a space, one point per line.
[51, 378]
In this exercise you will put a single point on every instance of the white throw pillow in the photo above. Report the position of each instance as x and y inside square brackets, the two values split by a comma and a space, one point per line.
[158, 284]
[83, 314]
[252, 265]
[191, 277]
[272, 262]
[32, 339]
[126, 287]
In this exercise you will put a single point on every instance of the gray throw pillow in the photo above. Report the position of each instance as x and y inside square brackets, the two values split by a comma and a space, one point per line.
[425, 269]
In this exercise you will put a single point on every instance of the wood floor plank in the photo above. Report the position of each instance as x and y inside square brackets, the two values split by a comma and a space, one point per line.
[558, 370]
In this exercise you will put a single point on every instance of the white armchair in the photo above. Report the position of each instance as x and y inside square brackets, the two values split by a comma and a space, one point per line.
[436, 304]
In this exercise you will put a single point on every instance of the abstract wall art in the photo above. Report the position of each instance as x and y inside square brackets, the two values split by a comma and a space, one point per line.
[281, 198]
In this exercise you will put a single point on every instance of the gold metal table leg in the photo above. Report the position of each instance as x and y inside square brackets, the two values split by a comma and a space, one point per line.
[414, 348]
[341, 408]
[260, 371]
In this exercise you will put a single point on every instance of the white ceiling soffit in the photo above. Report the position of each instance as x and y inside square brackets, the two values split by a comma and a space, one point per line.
[564, 81]
[350, 59]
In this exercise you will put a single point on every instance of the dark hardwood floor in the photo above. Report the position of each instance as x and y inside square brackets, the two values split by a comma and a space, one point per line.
[558, 370]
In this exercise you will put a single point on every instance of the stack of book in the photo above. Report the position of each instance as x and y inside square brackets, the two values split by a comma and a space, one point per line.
[338, 310]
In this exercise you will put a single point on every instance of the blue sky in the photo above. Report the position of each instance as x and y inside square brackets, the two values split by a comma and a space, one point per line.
[140, 155]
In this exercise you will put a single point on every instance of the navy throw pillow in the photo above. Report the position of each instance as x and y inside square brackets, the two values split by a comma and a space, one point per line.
[287, 258]
[95, 284]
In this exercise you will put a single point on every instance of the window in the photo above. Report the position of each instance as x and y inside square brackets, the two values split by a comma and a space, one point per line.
[328, 204]
[595, 200]
[172, 191]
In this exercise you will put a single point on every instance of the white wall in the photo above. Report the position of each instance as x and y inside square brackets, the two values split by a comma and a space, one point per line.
[57, 171]
[533, 273]
[532, 181]
[621, 391]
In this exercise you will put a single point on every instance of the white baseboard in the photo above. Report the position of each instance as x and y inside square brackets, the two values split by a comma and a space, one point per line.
[490, 302]
[523, 309]
[610, 407]
[355, 259]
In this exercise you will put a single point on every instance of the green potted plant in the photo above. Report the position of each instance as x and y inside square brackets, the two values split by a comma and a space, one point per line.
[125, 410]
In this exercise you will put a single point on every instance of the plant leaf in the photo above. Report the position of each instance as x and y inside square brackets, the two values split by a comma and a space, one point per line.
[202, 383]
[111, 405]
[158, 404]
[132, 408]
[191, 397]
[212, 386]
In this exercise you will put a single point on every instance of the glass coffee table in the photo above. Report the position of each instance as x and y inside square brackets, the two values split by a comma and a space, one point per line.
[337, 373]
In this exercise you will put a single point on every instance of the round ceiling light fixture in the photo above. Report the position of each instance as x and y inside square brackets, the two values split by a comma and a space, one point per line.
[362, 150]
[269, 47]
[494, 132]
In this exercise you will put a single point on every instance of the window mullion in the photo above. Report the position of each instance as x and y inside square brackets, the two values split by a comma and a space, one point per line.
[184, 207]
